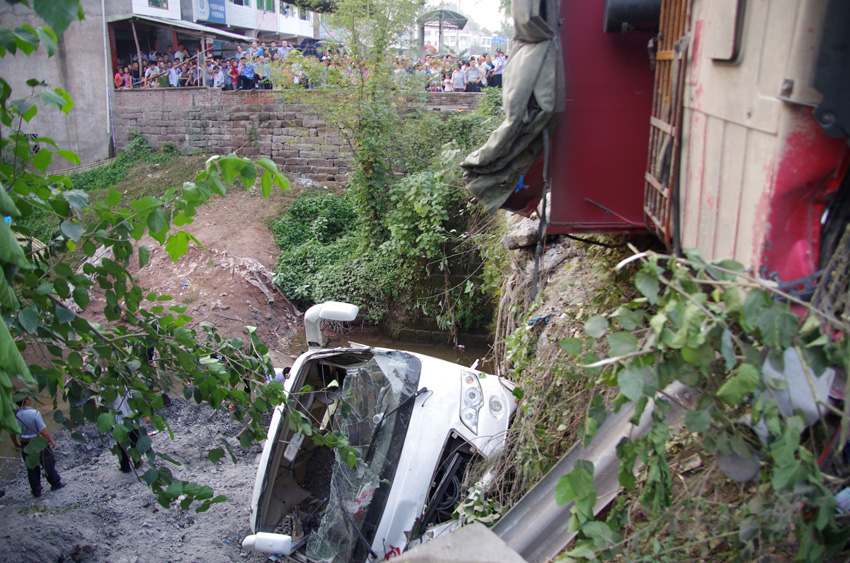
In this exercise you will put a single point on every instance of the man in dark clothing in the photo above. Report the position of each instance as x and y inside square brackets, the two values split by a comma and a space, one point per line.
[32, 425]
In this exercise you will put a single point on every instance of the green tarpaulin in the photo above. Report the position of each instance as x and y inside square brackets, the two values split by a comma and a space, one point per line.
[533, 98]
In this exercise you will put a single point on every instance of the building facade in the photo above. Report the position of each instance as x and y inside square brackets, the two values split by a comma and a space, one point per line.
[116, 32]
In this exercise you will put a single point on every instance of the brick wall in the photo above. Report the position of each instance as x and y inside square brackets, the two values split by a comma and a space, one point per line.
[253, 123]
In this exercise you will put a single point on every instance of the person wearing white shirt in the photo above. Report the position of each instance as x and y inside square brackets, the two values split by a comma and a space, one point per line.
[33, 426]
[173, 75]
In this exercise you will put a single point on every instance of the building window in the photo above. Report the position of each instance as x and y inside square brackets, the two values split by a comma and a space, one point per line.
[241, 2]
[163, 4]
[302, 13]
[267, 5]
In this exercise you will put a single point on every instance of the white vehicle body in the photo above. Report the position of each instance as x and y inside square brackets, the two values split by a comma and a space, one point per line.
[410, 420]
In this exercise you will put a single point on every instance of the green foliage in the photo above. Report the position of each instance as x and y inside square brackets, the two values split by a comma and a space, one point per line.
[714, 329]
[323, 217]
[407, 227]
[38, 293]
[138, 151]
[97, 181]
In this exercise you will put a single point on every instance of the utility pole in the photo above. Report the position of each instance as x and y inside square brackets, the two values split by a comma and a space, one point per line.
[457, 32]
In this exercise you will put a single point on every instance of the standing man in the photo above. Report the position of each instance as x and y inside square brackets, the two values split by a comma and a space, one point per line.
[473, 77]
[32, 425]
[252, 51]
[247, 80]
[498, 67]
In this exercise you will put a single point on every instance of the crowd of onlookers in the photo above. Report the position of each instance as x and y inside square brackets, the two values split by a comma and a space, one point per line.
[262, 65]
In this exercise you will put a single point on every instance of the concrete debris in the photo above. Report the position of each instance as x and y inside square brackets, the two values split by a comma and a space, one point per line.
[469, 544]
[523, 234]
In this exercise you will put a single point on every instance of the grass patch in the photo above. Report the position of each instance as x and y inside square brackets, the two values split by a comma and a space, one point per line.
[136, 172]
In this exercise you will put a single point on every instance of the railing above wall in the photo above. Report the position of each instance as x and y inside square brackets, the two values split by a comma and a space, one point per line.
[202, 96]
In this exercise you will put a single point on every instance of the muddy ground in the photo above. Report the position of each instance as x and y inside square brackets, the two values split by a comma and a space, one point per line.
[105, 515]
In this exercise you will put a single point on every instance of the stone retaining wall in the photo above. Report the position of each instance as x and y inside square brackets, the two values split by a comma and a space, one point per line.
[252, 123]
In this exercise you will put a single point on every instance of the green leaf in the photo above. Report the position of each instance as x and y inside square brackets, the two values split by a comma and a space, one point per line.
[571, 346]
[630, 382]
[184, 336]
[267, 163]
[215, 454]
[36, 445]
[630, 319]
[177, 245]
[58, 14]
[28, 318]
[575, 484]
[48, 39]
[698, 420]
[42, 159]
[603, 537]
[77, 199]
[216, 185]
[71, 229]
[204, 493]
[51, 98]
[248, 175]
[622, 343]
[105, 422]
[29, 114]
[120, 433]
[646, 281]
[144, 256]
[174, 490]
[157, 222]
[266, 183]
[7, 42]
[144, 442]
[596, 326]
[70, 156]
[64, 315]
[113, 198]
[26, 39]
[10, 249]
[230, 450]
[738, 386]
[150, 476]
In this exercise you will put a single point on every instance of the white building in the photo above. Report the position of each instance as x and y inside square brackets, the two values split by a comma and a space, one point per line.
[272, 19]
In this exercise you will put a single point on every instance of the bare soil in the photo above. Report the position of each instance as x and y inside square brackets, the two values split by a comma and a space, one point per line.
[105, 515]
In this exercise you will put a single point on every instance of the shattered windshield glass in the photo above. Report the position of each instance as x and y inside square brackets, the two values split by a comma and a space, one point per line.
[372, 391]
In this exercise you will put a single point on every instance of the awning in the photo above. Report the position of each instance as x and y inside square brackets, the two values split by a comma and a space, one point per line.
[449, 19]
[191, 28]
